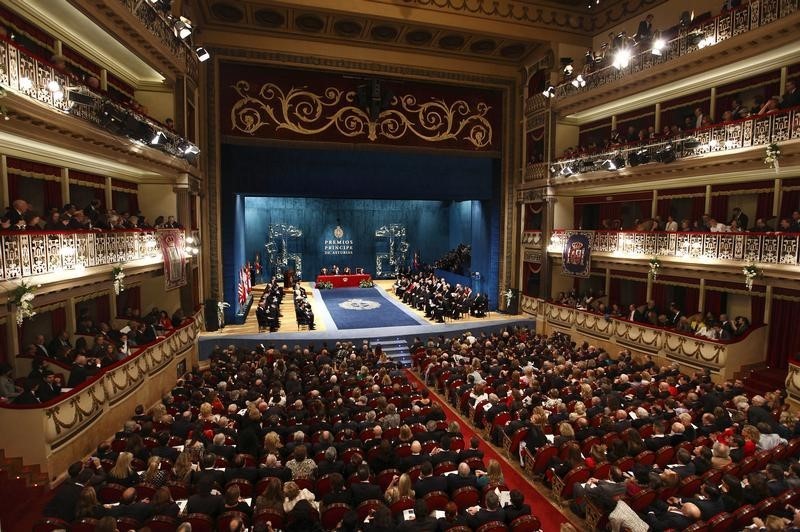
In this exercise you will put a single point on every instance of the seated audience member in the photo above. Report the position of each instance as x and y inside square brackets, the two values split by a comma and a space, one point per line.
[204, 502]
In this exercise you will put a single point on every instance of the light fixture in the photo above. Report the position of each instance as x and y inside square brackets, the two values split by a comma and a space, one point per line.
[609, 165]
[190, 240]
[569, 169]
[578, 82]
[190, 149]
[53, 86]
[658, 46]
[158, 138]
[58, 95]
[568, 69]
[666, 154]
[66, 251]
[202, 54]
[183, 27]
[706, 41]
[25, 83]
[622, 59]
[549, 92]
[635, 158]
[713, 144]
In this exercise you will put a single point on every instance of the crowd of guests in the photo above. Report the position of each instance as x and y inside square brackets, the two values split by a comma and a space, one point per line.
[438, 298]
[699, 118]
[456, 260]
[95, 348]
[636, 440]
[737, 222]
[20, 216]
[668, 316]
[291, 439]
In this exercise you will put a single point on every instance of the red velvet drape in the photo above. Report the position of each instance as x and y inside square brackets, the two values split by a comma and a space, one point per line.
[784, 342]
[698, 207]
[659, 295]
[663, 208]
[100, 193]
[58, 322]
[52, 195]
[614, 289]
[716, 302]
[691, 298]
[757, 310]
[790, 201]
[13, 188]
[133, 202]
[763, 206]
[103, 309]
[719, 208]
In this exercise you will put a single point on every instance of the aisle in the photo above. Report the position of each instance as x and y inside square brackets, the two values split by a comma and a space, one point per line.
[550, 516]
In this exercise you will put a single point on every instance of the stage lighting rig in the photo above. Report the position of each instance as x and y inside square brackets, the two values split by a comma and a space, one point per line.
[549, 92]
[666, 154]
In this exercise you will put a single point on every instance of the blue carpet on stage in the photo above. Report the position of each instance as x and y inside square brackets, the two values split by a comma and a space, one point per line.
[363, 308]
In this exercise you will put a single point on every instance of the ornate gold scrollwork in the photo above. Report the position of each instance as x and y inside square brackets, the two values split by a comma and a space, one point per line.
[302, 111]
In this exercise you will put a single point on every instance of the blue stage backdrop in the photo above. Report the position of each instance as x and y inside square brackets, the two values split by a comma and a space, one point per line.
[441, 200]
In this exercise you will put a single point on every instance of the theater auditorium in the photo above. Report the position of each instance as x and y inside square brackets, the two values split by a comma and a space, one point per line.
[399, 265]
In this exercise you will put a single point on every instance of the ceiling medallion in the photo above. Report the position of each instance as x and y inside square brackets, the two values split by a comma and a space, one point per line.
[483, 46]
[418, 37]
[310, 23]
[347, 28]
[512, 51]
[269, 18]
[227, 12]
[452, 42]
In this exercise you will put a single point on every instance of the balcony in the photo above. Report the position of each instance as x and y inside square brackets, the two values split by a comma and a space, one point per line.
[751, 132]
[765, 24]
[742, 248]
[39, 94]
[723, 359]
[31, 253]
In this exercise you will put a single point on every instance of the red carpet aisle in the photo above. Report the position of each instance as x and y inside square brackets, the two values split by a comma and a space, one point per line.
[550, 516]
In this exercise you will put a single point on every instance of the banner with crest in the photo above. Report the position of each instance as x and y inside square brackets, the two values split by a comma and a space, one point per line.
[577, 254]
[172, 248]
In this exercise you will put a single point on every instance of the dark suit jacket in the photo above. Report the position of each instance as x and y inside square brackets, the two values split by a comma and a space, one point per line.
[225, 451]
[282, 473]
[77, 374]
[430, 484]
[455, 482]
[485, 516]
[251, 474]
[210, 505]
[513, 512]
[141, 511]
[26, 398]
[337, 497]
[46, 391]
[63, 503]
[214, 476]
[363, 491]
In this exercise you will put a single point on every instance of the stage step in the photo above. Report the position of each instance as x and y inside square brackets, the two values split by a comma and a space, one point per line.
[396, 349]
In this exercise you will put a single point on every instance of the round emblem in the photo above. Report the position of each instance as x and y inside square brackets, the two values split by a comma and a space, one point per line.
[344, 279]
[338, 232]
[359, 304]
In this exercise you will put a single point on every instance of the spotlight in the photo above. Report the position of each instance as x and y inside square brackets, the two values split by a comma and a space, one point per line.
[25, 83]
[578, 82]
[190, 240]
[622, 59]
[189, 149]
[609, 165]
[635, 158]
[691, 143]
[158, 138]
[568, 70]
[586, 165]
[666, 154]
[53, 86]
[83, 99]
[549, 92]
[658, 46]
[706, 41]
[183, 27]
[619, 161]
[202, 54]
[569, 169]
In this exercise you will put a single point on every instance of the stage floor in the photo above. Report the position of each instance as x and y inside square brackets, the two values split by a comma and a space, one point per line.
[247, 333]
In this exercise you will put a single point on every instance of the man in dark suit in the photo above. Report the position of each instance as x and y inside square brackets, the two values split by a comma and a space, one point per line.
[480, 516]
[203, 502]
[634, 314]
[428, 482]
[462, 479]
[49, 388]
[443, 454]
[129, 507]
[272, 469]
[710, 502]
[182, 425]
[675, 518]
[741, 219]
[79, 372]
[685, 466]
[219, 448]
[517, 508]
[472, 451]
[422, 522]
[65, 499]
[362, 490]
[415, 458]
[644, 33]
[726, 327]
[207, 472]
[238, 469]
[791, 97]
[59, 344]
[329, 463]
[162, 449]
[675, 314]
[28, 395]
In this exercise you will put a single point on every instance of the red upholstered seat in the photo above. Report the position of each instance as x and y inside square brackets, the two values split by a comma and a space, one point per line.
[466, 497]
[368, 506]
[404, 503]
[331, 515]
[224, 520]
[200, 522]
[49, 524]
[275, 518]
[436, 500]
[162, 523]
[493, 526]
[526, 523]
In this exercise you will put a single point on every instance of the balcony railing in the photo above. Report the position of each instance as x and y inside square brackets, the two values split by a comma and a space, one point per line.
[757, 130]
[25, 254]
[729, 24]
[764, 248]
[157, 24]
[24, 73]
[535, 172]
[723, 358]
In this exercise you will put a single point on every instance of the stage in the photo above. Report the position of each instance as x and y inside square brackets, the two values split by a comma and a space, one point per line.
[410, 323]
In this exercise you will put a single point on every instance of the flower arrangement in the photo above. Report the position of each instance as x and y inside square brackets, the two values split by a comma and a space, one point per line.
[221, 306]
[117, 276]
[771, 159]
[22, 298]
[750, 272]
[509, 295]
[324, 285]
[655, 265]
[366, 283]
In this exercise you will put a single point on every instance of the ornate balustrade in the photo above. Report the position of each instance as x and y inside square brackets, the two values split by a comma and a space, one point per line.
[532, 239]
[749, 16]
[793, 381]
[534, 172]
[31, 76]
[757, 130]
[158, 25]
[722, 358]
[764, 248]
[59, 423]
[25, 254]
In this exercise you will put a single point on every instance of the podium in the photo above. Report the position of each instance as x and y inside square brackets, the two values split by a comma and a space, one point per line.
[288, 278]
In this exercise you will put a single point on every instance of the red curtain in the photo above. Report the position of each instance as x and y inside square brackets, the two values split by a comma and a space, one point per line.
[13, 188]
[790, 201]
[52, 195]
[659, 295]
[663, 208]
[764, 206]
[100, 194]
[784, 342]
[614, 289]
[102, 309]
[716, 302]
[691, 298]
[757, 310]
[719, 208]
[698, 207]
[58, 319]
[133, 202]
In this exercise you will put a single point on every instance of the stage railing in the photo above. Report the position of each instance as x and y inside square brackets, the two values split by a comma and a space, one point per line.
[29, 253]
[763, 248]
[723, 358]
[697, 36]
